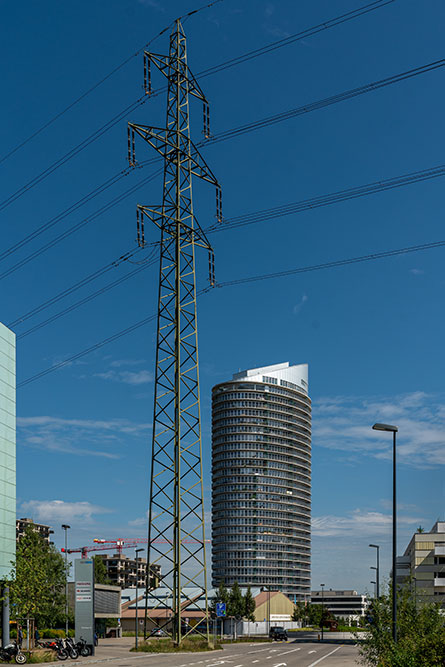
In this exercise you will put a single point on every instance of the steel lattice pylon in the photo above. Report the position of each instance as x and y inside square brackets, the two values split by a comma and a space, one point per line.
[176, 510]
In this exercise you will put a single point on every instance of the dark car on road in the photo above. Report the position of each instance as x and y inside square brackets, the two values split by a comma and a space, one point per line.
[278, 633]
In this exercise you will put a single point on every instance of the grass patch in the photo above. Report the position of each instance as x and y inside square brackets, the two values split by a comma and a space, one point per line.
[192, 644]
[40, 655]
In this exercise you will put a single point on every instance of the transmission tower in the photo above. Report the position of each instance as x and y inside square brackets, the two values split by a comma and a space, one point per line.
[176, 538]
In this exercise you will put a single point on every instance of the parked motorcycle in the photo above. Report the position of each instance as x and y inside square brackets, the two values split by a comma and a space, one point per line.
[13, 651]
[71, 647]
[82, 648]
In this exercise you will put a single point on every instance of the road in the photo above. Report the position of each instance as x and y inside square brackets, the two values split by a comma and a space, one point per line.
[282, 654]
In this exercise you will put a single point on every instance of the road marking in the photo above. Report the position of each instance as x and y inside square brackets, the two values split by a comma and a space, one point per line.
[254, 661]
[325, 656]
[291, 651]
[312, 652]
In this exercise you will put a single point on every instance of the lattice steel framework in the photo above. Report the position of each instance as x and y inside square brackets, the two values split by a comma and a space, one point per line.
[176, 509]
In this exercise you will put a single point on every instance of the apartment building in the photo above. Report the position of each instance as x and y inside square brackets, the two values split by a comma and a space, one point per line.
[123, 571]
[40, 528]
[423, 564]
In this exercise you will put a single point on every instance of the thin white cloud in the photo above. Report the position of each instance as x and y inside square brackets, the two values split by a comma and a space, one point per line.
[358, 523]
[344, 423]
[417, 272]
[299, 305]
[80, 437]
[127, 377]
[118, 363]
[60, 510]
[153, 4]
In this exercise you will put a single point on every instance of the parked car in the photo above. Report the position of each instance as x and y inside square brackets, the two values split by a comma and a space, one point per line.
[278, 633]
[159, 633]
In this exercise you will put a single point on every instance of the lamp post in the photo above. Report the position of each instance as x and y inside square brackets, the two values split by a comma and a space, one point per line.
[136, 622]
[377, 548]
[65, 527]
[322, 609]
[393, 430]
[375, 584]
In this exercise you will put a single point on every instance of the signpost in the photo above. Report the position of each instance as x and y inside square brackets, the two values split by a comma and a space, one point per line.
[221, 613]
[84, 600]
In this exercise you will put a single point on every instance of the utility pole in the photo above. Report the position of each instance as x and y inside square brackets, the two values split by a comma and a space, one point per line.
[176, 509]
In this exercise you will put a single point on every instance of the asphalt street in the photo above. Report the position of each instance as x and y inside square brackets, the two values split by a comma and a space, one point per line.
[283, 654]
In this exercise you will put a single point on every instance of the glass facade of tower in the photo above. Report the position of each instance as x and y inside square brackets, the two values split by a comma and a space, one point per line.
[261, 480]
[7, 450]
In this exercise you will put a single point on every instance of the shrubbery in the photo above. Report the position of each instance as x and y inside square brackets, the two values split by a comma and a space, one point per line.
[420, 634]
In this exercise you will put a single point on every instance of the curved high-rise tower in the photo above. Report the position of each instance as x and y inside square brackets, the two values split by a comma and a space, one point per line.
[261, 480]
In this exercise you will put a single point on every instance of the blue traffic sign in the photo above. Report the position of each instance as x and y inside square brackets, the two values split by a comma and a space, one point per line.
[220, 608]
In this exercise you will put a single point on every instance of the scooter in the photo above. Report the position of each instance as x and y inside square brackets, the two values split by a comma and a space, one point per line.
[13, 651]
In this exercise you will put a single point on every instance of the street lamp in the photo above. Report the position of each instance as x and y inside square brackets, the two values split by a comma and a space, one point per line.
[136, 634]
[322, 609]
[377, 548]
[393, 430]
[65, 527]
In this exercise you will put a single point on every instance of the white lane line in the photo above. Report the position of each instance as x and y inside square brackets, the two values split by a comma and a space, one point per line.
[309, 652]
[291, 651]
[254, 661]
[325, 656]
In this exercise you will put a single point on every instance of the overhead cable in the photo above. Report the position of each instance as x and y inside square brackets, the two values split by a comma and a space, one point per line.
[207, 72]
[240, 281]
[97, 84]
[229, 223]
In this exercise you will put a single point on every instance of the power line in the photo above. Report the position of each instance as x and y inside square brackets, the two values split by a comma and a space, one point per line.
[328, 199]
[308, 32]
[117, 200]
[240, 281]
[71, 153]
[207, 72]
[96, 85]
[148, 262]
[230, 223]
[73, 288]
[222, 136]
[327, 101]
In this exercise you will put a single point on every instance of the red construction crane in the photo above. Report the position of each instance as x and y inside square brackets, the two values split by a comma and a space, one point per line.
[119, 545]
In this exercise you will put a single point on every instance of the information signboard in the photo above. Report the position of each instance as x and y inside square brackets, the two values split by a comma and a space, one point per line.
[84, 600]
[220, 609]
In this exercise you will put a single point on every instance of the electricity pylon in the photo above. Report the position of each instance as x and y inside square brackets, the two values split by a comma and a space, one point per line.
[176, 537]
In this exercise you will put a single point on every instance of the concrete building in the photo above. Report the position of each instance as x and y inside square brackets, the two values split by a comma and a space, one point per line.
[423, 564]
[261, 480]
[121, 570]
[348, 605]
[41, 528]
[7, 450]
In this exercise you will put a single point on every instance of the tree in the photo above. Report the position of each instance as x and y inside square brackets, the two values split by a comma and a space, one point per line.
[100, 571]
[249, 605]
[236, 602]
[420, 633]
[299, 612]
[37, 584]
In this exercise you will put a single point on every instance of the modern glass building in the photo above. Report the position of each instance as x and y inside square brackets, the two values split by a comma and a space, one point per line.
[7, 450]
[261, 480]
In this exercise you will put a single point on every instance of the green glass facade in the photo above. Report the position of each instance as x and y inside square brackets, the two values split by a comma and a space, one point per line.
[7, 450]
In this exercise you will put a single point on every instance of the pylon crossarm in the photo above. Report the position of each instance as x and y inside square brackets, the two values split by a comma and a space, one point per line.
[169, 66]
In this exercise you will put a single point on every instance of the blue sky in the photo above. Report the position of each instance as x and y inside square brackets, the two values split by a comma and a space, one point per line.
[372, 333]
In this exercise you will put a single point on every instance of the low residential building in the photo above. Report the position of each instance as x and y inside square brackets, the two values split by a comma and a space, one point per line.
[423, 564]
[348, 604]
[42, 529]
[121, 571]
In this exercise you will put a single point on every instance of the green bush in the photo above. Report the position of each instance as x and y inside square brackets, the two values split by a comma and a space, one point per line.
[420, 634]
